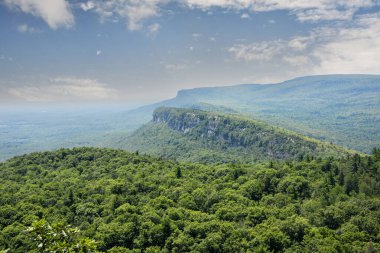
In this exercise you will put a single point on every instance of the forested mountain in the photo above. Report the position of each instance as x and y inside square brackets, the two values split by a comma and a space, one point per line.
[343, 109]
[199, 136]
[124, 202]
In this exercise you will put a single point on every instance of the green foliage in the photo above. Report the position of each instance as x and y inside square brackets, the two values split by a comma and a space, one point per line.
[58, 238]
[89, 199]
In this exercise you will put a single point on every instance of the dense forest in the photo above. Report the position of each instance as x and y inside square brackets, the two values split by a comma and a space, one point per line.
[89, 200]
[193, 135]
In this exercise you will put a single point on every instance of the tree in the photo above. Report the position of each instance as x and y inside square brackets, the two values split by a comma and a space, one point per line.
[59, 238]
[178, 172]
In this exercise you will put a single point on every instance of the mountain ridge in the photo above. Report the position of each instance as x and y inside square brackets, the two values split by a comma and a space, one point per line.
[180, 133]
[343, 109]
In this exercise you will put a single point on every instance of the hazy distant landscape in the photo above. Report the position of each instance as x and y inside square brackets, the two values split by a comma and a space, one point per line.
[341, 109]
[200, 126]
[37, 130]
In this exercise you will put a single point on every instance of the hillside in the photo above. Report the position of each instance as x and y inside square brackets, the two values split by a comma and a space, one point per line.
[343, 109]
[123, 202]
[199, 136]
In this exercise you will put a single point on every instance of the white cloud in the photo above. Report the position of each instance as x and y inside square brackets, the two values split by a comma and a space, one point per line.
[87, 6]
[23, 28]
[297, 60]
[245, 16]
[5, 58]
[262, 51]
[64, 90]
[175, 67]
[305, 10]
[325, 14]
[265, 79]
[136, 11]
[154, 28]
[317, 10]
[352, 47]
[205, 4]
[56, 13]
[299, 43]
[98, 52]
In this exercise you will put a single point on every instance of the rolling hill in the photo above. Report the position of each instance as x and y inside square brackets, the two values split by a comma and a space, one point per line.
[343, 109]
[208, 137]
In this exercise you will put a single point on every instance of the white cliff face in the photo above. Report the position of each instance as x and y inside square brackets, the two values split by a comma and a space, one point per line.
[187, 121]
[231, 132]
[192, 129]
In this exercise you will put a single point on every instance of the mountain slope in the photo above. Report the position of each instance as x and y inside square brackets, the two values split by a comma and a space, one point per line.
[343, 109]
[199, 136]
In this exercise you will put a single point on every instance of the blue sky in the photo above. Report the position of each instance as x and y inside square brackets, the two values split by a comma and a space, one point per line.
[140, 51]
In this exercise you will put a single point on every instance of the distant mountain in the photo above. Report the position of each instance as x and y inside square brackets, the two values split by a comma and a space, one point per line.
[343, 109]
[200, 136]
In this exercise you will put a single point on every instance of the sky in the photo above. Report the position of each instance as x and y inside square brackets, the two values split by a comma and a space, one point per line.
[142, 51]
